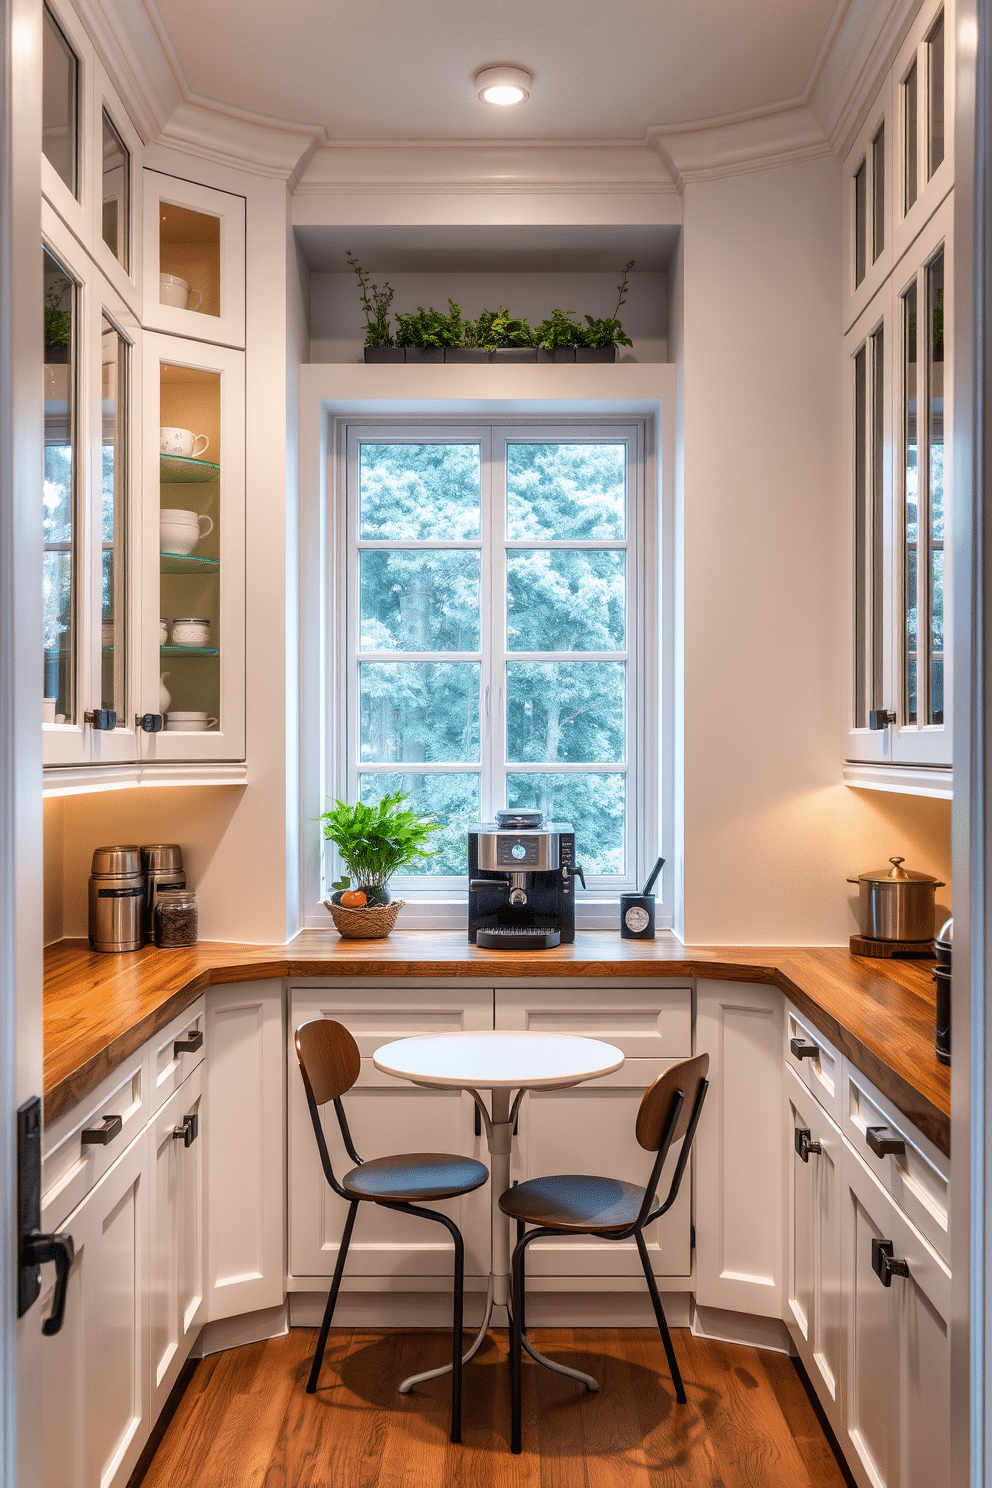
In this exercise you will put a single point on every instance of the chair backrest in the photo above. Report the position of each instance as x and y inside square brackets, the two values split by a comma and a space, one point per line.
[330, 1061]
[656, 1102]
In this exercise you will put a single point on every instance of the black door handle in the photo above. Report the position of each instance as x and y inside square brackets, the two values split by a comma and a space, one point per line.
[189, 1130]
[99, 1136]
[36, 1251]
[884, 1142]
[883, 1264]
[189, 1044]
[804, 1146]
[104, 720]
[803, 1048]
[151, 723]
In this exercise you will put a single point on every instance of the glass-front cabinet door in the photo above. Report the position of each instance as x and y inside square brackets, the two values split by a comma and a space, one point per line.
[194, 260]
[90, 394]
[923, 110]
[193, 589]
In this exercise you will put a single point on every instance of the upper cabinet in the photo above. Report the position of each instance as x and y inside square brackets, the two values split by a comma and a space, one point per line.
[194, 260]
[899, 397]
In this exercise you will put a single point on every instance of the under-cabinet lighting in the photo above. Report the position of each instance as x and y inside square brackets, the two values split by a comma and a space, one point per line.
[503, 85]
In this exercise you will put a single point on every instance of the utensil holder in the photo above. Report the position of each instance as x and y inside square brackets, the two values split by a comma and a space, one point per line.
[637, 917]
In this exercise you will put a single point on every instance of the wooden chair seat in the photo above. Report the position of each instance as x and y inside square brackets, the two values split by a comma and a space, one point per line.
[574, 1201]
[414, 1175]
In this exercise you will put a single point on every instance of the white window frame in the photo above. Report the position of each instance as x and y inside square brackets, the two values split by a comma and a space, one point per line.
[442, 903]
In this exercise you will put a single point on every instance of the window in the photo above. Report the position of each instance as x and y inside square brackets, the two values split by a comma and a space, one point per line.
[495, 647]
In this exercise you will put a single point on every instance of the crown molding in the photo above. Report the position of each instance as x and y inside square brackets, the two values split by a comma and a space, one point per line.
[856, 54]
[757, 140]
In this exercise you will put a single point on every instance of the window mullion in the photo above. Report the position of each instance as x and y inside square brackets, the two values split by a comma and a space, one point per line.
[493, 790]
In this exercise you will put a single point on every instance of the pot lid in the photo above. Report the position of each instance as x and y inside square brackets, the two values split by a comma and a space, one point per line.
[945, 933]
[897, 874]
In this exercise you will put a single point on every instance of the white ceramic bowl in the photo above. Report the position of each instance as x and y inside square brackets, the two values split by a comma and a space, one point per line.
[191, 631]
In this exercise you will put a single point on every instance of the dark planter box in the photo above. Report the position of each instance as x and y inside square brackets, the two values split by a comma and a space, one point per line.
[56, 356]
[516, 354]
[595, 353]
[385, 354]
[425, 353]
[561, 354]
[466, 354]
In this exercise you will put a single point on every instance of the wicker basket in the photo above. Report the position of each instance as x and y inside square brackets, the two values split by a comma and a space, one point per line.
[371, 922]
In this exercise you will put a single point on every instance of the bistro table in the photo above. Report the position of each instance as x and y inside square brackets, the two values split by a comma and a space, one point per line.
[501, 1063]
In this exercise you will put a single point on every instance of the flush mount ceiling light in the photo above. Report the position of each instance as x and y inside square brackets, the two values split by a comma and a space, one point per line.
[503, 85]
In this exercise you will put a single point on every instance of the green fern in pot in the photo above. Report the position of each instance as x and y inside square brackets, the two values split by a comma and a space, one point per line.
[374, 842]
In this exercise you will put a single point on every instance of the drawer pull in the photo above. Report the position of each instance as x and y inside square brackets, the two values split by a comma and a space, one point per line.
[189, 1044]
[99, 1136]
[883, 1142]
[883, 1264]
[803, 1048]
[804, 1145]
[189, 1131]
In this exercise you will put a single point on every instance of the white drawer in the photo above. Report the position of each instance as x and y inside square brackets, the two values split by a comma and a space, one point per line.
[169, 1066]
[72, 1165]
[643, 1022]
[918, 1177]
[820, 1072]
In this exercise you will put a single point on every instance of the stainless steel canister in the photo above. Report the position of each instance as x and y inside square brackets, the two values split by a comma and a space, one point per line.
[116, 895]
[162, 864]
[896, 904]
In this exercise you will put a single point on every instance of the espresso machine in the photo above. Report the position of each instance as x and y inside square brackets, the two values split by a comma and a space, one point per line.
[521, 882]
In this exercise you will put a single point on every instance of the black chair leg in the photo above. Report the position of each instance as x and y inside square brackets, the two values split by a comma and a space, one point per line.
[516, 1346]
[659, 1313]
[519, 1306]
[332, 1298]
[456, 1337]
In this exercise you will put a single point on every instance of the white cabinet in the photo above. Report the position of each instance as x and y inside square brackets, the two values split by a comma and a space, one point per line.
[95, 1401]
[589, 1128]
[244, 1149]
[175, 1295]
[814, 1269]
[898, 1365]
[389, 1251]
[194, 260]
[199, 389]
[739, 1197]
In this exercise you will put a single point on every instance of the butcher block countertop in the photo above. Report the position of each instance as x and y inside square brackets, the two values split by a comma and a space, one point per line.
[100, 1008]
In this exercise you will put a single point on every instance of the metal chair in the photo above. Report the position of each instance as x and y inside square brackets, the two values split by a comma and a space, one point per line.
[607, 1207]
[330, 1063]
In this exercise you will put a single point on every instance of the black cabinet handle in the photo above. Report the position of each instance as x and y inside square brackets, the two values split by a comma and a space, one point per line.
[151, 723]
[38, 1249]
[189, 1044]
[104, 720]
[99, 1136]
[884, 1143]
[803, 1048]
[804, 1146]
[883, 1264]
[189, 1131]
[880, 718]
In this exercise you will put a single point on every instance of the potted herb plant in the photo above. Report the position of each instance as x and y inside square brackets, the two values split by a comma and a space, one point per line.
[600, 338]
[373, 843]
[497, 335]
[379, 344]
[426, 333]
[58, 325]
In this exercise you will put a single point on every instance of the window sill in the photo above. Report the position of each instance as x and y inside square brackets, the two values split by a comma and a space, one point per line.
[450, 912]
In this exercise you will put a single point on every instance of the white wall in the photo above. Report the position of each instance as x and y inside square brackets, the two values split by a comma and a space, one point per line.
[770, 831]
[338, 324]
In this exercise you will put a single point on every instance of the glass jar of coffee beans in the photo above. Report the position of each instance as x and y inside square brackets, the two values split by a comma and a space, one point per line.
[176, 918]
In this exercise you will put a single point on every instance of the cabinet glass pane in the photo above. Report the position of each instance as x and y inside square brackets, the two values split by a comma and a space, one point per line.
[559, 599]
[910, 118]
[910, 539]
[861, 541]
[878, 193]
[59, 102]
[420, 601]
[419, 710]
[189, 259]
[935, 485]
[59, 490]
[191, 528]
[595, 805]
[451, 796]
[877, 345]
[420, 492]
[116, 192]
[935, 102]
[567, 712]
[860, 221]
[113, 572]
[869, 434]
[562, 491]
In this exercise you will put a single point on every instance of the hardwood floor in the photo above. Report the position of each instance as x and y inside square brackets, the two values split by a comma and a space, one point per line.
[245, 1420]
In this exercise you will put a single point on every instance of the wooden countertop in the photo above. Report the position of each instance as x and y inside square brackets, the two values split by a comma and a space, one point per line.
[100, 1008]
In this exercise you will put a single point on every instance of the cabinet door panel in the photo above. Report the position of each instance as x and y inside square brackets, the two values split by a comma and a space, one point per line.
[196, 237]
[176, 1245]
[644, 1021]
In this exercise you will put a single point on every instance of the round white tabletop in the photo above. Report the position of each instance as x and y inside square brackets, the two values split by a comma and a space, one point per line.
[497, 1060]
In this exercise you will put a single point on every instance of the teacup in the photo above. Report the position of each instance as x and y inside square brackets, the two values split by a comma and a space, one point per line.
[189, 723]
[176, 292]
[180, 531]
[181, 442]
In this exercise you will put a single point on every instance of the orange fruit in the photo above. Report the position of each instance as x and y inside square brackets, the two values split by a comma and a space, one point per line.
[353, 898]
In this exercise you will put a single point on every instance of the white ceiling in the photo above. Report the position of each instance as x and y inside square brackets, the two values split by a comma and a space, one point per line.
[392, 69]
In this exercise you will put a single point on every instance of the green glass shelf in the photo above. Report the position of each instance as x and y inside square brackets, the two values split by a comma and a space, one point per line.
[186, 470]
[189, 650]
[187, 563]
